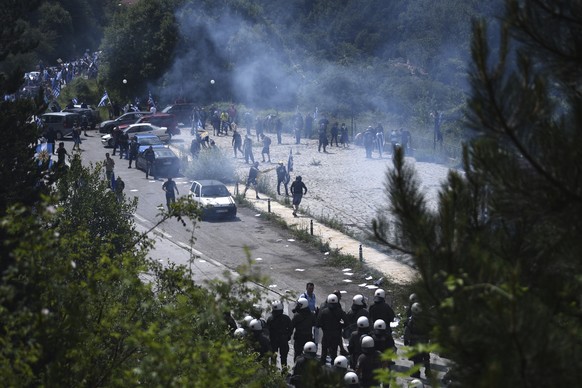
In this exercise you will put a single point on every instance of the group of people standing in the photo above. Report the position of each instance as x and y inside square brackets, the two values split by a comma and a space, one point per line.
[374, 139]
[365, 327]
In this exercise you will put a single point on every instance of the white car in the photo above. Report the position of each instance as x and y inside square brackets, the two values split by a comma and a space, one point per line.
[139, 129]
[213, 198]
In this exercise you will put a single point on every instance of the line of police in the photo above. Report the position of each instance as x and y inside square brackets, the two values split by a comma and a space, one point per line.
[367, 328]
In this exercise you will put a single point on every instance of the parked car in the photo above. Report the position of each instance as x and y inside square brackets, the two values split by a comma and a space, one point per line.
[166, 163]
[144, 141]
[183, 112]
[61, 122]
[162, 120]
[134, 129]
[125, 119]
[213, 198]
[92, 115]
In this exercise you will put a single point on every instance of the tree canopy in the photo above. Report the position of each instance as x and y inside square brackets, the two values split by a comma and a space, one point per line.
[500, 254]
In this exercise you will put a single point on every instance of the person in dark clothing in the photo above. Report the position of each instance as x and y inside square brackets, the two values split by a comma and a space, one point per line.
[248, 149]
[322, 136]
[280, 330]
[115, 136]
[252, 179]
[282, 177]
[298, 127]
[61, 153]
[133, 150]
[150, 157]
[324, 305]
[417, 332]
[84, 124]
[308, 125]
[368, 362]
[357, 310]
[170, 187]
[395, 138]
[123, 145]
[307, 371]
[336, 371]
[331, 321]
[298, 189]
[258, 340]
[259, 127]
[369, 139]
[362, 329]
[266, 147]
[344, 138]
[382, 337]
[405, 140]
[380, 309]
[279, 129]
[51, 137]
[380, 139]
[334, 134]
[236, 142]
[302, 325]
[195, 148]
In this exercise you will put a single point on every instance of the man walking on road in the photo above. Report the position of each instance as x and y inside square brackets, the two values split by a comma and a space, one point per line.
[150, 158]
[298, 189]
[169, 187]
[109, 166]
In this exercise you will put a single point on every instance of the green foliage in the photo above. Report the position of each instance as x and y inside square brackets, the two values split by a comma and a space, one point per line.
[499, 256]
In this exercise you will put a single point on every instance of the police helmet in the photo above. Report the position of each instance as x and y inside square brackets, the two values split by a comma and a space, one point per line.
[363, 322]
[367, 342]
[358, 300]
[247, 321]
[413, 298]
[310, 347]
[416, 383]
[332, 299]
[380, 293]
[416, 308]
[302, 303]
[351, 378]
[277, 306]
[379, 324]
[240, 332]
[256, 325]
[341, 362]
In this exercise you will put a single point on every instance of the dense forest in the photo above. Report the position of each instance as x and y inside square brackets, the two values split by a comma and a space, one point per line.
[499, 257]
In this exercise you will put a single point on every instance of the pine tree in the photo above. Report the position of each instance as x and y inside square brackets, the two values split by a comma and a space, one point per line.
[500, 255]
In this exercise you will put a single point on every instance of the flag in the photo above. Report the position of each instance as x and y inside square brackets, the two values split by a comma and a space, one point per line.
[103, 99]
[43, 153]
[75, 101]
[315, 115]
[151, 100]
[57, 90]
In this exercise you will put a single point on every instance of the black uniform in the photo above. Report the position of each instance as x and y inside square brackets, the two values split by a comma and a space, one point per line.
[302, 324]
[353, 314]
[260, 343]
[284, 178]
[382, 310]
[307, 371]
[367, 363]
[280, 330]
[331, 320]
[355, 345]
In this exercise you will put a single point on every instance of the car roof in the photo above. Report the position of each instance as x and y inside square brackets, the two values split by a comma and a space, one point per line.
[142, 124]
[60, 114]
[163, 151]
[209, 182]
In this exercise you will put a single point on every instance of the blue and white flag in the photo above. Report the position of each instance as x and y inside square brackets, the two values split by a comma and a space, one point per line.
[290, 161]
[43, 153]
[75, 101]
[103, 99]
[57, 90]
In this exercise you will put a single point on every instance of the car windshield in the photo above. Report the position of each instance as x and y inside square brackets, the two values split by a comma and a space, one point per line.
[164, 153]
[150, 141]
[215, 191]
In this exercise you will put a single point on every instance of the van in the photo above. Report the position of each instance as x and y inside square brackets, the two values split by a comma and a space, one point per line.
[61, 122]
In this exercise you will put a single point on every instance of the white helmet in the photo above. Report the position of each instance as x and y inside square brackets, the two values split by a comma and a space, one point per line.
[413, 298]
[380, 293]
[277, 306]
[256, 325]
[341, 362]
[358, 300]
[240, 332]
[247, 321]
[310, 347]
[332, 298]
[380, 324]
[363, 322]
[302, 303]
[351, 378]
[416, 308]
[367, 342]
[416, 383]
